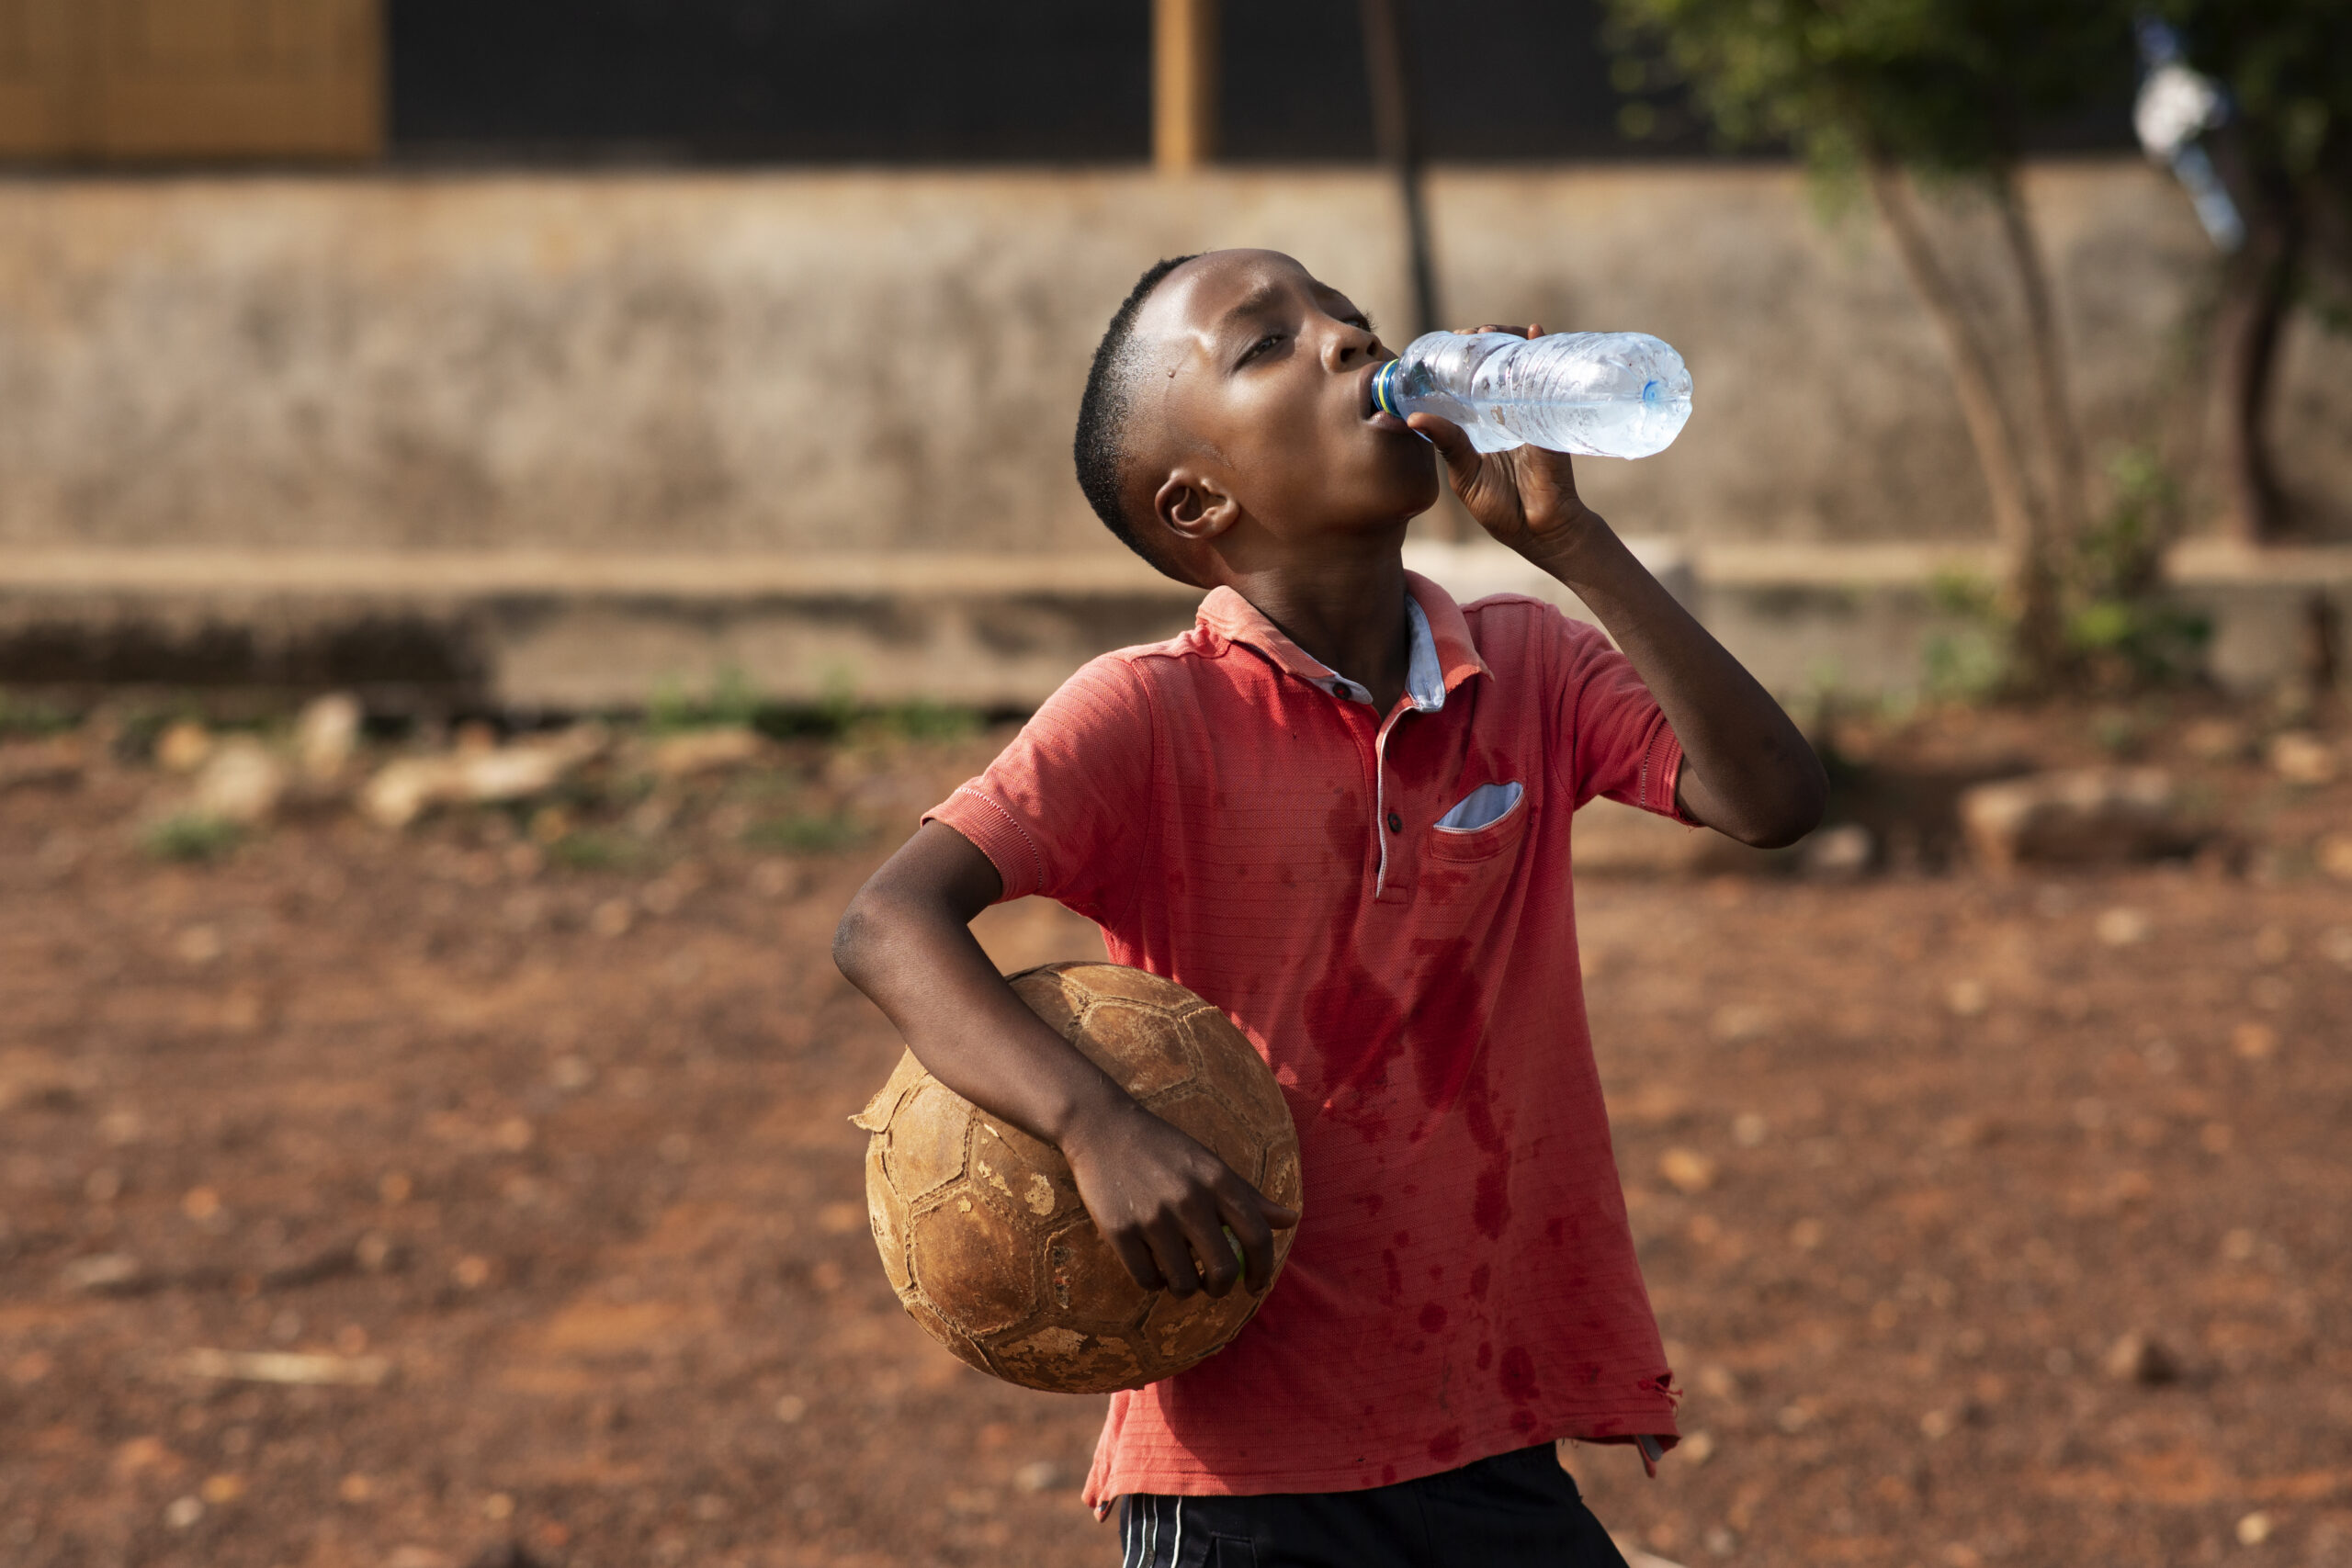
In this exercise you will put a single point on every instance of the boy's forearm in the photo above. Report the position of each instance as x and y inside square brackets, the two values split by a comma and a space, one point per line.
[911, 949]
[1174, 1211]
[1747, 771]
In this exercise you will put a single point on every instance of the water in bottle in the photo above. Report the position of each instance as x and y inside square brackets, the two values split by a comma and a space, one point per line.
[1601, 394]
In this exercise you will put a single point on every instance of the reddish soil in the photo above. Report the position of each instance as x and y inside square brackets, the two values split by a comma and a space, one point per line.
[564, 1149]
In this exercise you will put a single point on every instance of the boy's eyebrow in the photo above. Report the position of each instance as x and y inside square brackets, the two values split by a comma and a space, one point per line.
[1252, 303]
[1268, 295]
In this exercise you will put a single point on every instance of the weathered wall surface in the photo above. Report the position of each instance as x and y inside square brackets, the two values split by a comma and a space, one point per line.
[848, 362]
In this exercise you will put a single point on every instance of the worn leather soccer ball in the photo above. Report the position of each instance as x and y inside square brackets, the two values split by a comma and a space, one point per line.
[980, 1226]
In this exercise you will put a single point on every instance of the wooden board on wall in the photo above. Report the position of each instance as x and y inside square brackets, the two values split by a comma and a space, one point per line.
[145, 81]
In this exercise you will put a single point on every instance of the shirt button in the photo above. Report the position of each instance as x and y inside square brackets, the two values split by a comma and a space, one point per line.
[1396, 823]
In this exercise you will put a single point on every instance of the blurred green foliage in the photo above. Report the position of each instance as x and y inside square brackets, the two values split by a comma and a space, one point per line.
[730, 699]
[585, 849]
[2288, 67]
[21, 717]
[804, 834]
[925, 720]
[1888, 96]
[2121, 624]
[1944, 87]
[190, 836]
[1967, 659]
[2124, 630]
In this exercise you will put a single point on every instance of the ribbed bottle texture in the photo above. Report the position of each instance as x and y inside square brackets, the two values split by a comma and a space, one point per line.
[1599, 394]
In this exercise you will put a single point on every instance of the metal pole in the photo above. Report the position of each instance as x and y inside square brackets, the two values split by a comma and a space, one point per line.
[1184, 84]
[1396, 130]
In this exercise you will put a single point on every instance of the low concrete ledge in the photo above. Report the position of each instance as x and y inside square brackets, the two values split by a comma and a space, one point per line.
[574, 631]
[1859, 564]
[577, 631]
[458, 574]
[2215, 563]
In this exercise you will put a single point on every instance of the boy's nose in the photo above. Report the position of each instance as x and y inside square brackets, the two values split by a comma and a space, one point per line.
[1346, 344]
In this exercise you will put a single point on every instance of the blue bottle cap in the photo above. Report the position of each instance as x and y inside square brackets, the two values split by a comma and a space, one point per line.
[1382, 391]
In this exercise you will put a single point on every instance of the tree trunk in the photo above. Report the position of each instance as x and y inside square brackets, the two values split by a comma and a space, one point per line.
[2062, 440]
[2034, 586]
[2257, 285]
[1396, 124]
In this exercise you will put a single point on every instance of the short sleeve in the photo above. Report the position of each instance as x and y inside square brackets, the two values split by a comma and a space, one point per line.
[1618, 741]
[1064, 810]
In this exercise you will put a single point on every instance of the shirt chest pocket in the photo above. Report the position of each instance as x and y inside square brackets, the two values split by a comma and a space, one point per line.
[1489, 821]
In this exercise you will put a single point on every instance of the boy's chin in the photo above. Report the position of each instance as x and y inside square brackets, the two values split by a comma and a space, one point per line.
[1412, 494]
[1393, 485]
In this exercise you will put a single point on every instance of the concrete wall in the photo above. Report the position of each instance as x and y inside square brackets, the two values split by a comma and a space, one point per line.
[776, 364]
[436, 631]
[556, 440]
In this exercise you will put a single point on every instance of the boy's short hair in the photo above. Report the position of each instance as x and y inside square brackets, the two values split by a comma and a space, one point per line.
[1101, 446]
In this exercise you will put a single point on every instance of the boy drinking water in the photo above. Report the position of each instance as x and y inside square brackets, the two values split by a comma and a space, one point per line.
[1338, 807]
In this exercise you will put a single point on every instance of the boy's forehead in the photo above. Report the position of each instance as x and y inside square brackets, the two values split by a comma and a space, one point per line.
[1200, 294]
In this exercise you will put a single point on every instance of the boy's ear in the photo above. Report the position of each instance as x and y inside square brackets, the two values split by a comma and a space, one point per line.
[1194, 507]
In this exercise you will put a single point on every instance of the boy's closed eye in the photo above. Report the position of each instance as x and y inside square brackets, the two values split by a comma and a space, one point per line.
[1268, 343]
[1263, 346]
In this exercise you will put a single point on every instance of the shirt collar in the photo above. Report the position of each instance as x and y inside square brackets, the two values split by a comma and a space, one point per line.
[1440, 654]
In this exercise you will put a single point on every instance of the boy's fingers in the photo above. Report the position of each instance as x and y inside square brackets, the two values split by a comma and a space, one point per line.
[1137, 1259]
[1204, 1229]
[1245, 1218]
[1461, 457]
[1442, 434]
[1281, 1217]
[1179, 1275]
[1220, 1270]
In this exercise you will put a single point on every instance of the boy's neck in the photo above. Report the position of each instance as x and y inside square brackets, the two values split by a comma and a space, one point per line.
[1347, 612]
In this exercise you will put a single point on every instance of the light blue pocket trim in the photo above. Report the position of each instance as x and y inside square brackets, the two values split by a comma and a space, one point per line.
[1482, 807]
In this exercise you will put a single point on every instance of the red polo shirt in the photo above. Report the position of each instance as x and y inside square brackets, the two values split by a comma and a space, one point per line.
[1464, 1280]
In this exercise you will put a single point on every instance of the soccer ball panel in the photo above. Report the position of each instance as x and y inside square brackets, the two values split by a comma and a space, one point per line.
[1117, 982]
[1181, 1333]
[1121, 1026]
[1282, 1182]
[1206, 1120]
[1056, 995]
[1138, 1044]
[887, 1216]
[1085, 1282]
[876, 1117]
[939, 1328]
[974, 1260]
[1072, 1360]
[1026, 1172]
[1231, 1067]
[923, 1150]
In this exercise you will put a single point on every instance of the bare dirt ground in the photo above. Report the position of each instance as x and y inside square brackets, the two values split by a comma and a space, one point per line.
[1989, 1220]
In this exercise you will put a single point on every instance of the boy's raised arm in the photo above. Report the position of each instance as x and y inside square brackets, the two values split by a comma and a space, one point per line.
[1160, 1199]
[1746, 770]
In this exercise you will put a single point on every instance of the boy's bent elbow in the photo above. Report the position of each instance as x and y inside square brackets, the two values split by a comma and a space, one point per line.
[1783, 834]
[1800, 809]
[1785, 814]
[863, 926]
[849, 939]
[935, 884]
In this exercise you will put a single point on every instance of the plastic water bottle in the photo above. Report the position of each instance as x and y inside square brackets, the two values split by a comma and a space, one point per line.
[1601, 394]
